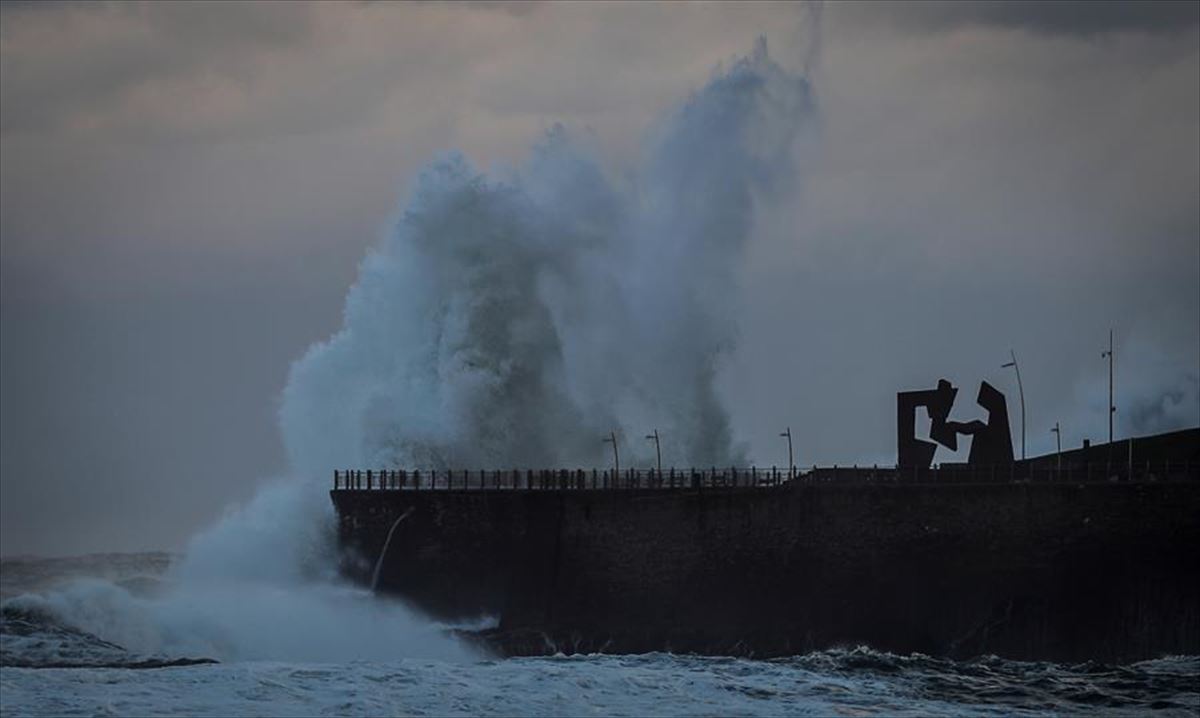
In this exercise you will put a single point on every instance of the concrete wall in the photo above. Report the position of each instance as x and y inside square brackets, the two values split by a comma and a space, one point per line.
[1059, 571]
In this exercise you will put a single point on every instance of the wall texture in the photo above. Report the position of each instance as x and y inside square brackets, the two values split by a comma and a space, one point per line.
[1055, 571]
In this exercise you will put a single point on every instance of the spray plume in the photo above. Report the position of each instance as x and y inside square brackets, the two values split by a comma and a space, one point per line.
[506, 322]
[513, 322]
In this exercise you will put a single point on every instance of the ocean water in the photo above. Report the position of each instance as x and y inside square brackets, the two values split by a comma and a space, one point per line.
[60, 654]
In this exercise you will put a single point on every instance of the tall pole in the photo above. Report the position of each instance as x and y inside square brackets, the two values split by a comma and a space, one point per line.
[657, 449]
[1112, 409]
[612, 439]
[1058, 446]
[791, 464]
[1021, 391]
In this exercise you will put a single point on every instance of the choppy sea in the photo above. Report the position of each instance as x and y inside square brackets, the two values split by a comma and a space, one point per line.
[114, 635]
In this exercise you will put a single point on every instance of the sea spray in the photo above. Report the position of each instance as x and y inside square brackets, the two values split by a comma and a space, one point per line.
[506, 322]
[383, 552]
[513, 321]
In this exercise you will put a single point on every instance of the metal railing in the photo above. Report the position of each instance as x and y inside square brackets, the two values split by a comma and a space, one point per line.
[556, 479]
[753, 477]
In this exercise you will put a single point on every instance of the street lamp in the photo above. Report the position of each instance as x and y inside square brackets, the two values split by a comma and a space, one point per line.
[657, 448]
[1021, 391]
[1112, 409]
[612, 439]
[1057, 446]
[791, 465]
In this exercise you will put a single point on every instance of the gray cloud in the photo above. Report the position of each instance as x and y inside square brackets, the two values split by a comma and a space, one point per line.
[1047, 16]
[187, 192]
[68, 64]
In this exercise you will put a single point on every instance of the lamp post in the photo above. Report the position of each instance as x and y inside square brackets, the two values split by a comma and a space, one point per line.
[612, 439]
[1057, 446]
[791, 465]
[657, 448]
[1112, 409]
[1021, 392]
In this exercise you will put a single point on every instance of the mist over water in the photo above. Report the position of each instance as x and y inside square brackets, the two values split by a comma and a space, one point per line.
[507, 321]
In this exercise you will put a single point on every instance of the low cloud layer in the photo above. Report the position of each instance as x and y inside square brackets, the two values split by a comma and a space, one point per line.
[188, 191]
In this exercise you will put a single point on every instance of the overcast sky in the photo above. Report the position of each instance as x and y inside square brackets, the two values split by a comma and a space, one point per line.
[186, 192]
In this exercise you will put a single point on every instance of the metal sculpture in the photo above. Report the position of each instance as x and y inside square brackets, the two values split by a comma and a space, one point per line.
[991, 441]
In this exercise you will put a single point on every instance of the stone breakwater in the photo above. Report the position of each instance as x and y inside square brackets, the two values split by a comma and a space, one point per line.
[1064, 571]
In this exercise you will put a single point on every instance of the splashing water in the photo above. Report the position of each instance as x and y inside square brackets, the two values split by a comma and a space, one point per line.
[512, 322]
[505, 322]
[387, 543]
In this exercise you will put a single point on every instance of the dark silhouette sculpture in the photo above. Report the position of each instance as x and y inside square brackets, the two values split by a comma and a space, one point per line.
[991, 441]
[912, 451]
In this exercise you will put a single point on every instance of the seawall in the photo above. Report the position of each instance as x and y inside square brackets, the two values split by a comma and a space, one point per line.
[1064, 571]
